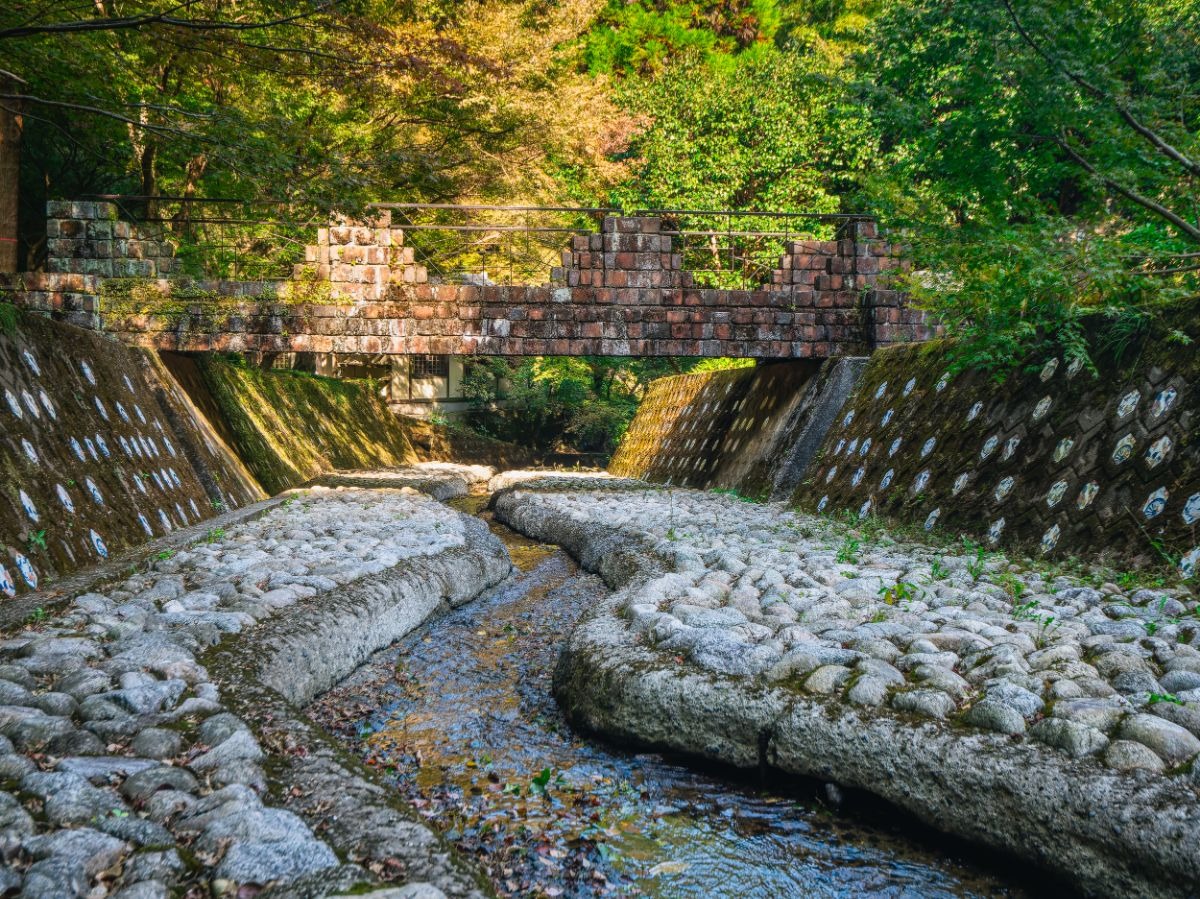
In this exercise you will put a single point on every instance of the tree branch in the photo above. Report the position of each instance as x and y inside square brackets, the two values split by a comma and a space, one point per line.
[1133, 196]
[1122, 110]
[127, 23]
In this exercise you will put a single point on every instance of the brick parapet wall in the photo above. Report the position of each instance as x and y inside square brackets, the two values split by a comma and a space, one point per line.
[360, 261]
[629, 252]
[625, 294]
[90, 239]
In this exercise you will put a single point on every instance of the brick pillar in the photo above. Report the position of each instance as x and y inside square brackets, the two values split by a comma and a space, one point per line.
[629, 251]
[888, 317]
[360, 260]
[90, 239]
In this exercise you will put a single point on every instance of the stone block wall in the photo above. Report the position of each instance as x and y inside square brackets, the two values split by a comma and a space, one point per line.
[1056, 460]
[629, 251]
[90, 239]
[360, 261]
[676, 437]
[90, 460]
[750, 430]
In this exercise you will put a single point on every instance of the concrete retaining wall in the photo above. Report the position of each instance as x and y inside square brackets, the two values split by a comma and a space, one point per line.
[1055, 460]
[92, 454]
[751, 430]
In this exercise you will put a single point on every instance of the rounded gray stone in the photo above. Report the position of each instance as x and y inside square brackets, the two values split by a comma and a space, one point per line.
[57, 704]
[157, 743]
[1076, 740]
[1126, 755]
[140, 786]
[1025, 702]
[827, 679]
[926, 703]
[1102, 714]
[991, 715]
[868, 690]
[1175, 745]
[262, 863]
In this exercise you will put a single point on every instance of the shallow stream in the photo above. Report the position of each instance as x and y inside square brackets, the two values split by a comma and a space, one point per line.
[460, 716]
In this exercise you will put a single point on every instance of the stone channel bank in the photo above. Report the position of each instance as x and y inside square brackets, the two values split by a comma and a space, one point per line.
[150, 737]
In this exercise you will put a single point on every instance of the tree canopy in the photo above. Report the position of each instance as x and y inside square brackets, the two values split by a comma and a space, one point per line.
[1041, 156]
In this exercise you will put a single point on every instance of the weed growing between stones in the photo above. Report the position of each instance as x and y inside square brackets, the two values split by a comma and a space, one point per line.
[850, 550]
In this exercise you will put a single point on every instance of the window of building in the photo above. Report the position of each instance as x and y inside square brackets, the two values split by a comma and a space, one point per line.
[429, 366]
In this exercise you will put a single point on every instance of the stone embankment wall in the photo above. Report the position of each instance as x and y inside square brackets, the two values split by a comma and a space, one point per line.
[621, 292]
[752, 430]
[291, 428]
[1056, 460]
[104, 447]
[92, 456]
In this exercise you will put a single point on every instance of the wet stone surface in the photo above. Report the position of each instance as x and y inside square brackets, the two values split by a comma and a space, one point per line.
[460, 717]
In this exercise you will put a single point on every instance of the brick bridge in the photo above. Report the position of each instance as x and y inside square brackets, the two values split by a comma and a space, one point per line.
[621, 292]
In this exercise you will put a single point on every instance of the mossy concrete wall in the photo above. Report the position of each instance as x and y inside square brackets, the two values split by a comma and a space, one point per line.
[91, 456]
[290, 427]
[734, 430]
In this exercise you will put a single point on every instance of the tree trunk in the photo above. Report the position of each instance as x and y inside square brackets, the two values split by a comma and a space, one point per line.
[10, 174]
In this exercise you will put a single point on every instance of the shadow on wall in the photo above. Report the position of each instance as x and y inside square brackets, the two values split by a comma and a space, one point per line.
[749, 430]
[290, 427]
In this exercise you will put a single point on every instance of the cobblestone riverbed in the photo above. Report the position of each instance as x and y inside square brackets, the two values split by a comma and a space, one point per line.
[122, 772]
[1027, 709]
[461, 717]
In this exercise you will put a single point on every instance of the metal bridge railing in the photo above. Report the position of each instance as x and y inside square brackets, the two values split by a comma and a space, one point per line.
[469, 243]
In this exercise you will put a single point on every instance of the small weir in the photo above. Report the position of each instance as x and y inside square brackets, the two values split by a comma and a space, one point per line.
[460, 717]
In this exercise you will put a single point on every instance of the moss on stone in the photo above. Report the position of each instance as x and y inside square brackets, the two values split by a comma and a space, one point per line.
[290, 427]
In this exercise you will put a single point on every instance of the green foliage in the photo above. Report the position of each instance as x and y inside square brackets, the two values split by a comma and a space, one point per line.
[899, 592]
[1025, 165]
[1171, 698]
[321, 106]
[849, 551]
[754, 133]
[36, 541]
[9, 316]
[645, 37]
[720, 364]
[560, 403]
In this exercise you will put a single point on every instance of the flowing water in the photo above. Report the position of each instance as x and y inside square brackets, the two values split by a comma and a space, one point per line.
[460, 716]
